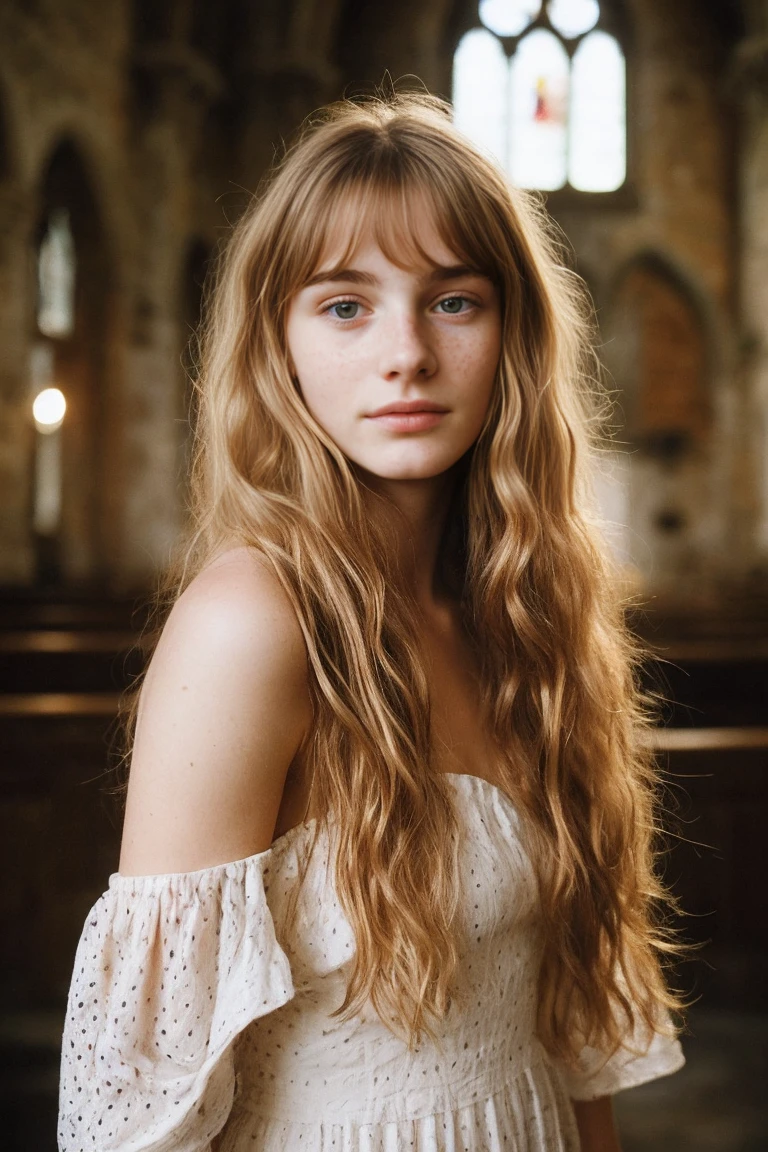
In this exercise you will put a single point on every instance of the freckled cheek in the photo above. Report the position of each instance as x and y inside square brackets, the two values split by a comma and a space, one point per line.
[490, 357]
[330, 395]
[475, 364]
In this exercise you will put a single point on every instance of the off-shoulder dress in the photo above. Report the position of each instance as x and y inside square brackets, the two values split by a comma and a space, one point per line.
[196, 1022]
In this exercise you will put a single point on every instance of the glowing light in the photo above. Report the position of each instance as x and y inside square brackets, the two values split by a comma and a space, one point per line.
[56, 277]
[508, 17]
[598, 115]
[480, 87]
[573, 17]
[538, 112]
[48, 409]
[550, 115]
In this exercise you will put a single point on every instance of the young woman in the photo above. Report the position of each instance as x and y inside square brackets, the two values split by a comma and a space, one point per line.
[387, 874]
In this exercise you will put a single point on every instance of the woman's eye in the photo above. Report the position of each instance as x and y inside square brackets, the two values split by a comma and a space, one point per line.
[453, 304]
[344, 309]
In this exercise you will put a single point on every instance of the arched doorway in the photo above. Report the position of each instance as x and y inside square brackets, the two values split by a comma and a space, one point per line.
[656, 349]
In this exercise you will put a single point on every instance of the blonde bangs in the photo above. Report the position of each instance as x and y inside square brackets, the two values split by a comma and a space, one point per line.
[387, 216]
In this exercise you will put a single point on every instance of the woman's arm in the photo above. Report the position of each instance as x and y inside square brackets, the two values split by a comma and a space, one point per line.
[223, 709]
[597, 1130]
[180, 953]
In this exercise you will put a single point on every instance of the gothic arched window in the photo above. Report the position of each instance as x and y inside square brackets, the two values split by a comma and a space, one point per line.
[542, 86]
[71, 511]
[56, 276]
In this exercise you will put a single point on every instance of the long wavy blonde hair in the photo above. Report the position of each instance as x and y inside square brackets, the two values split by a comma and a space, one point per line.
[523, 550]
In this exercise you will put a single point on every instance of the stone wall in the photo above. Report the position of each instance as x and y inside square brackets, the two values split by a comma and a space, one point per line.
[175, 111]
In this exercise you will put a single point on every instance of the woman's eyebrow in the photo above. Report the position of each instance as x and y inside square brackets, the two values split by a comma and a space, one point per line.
[347, 275]
[440, 272]
[456, 271]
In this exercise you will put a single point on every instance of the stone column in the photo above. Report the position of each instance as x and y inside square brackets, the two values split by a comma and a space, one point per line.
[284, 72]
[178, 87]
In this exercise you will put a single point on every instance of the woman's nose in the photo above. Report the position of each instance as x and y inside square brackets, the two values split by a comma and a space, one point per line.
[406, 350]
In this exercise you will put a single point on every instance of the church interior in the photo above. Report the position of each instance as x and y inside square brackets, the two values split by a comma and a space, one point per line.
[132, 134]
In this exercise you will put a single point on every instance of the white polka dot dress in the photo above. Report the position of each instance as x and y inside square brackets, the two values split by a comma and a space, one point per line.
[197, 1022]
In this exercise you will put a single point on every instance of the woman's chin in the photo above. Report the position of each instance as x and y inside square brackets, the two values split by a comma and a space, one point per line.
[406, 469]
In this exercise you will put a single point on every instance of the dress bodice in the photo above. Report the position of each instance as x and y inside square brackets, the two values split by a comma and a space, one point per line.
[197, 1013]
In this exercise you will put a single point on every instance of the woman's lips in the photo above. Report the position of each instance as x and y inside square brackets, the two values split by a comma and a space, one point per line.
[419, 421]
[417, 415]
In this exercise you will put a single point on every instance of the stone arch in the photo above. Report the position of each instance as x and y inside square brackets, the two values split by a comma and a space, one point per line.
[663, 352]
[658, 349]
[72, 357]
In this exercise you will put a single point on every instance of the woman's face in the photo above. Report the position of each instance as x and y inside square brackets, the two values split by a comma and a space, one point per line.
[370, 336]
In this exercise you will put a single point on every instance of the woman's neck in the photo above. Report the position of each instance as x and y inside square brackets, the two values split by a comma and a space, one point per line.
[413, 514]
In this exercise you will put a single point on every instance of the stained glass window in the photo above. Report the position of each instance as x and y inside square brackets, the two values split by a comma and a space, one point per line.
[480, 86]
[538, 111]
[508, 17]
[573, 17]
[541, 87]
[597, 159]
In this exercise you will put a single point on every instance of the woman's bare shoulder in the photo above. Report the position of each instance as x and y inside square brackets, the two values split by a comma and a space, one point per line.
[223, 709]
[237, 609]
[239, 585]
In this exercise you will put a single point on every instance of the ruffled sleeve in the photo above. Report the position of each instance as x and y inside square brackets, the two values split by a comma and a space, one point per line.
[169, 969]
[643, 1056]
